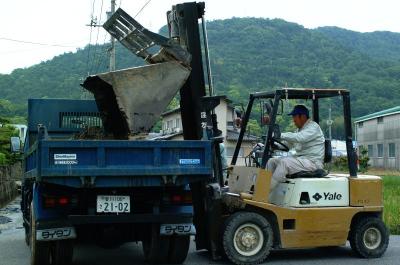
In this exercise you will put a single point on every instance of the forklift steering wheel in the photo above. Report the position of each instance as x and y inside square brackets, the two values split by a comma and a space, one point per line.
[278, 145]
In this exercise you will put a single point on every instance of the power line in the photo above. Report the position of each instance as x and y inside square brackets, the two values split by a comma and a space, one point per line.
[143, 7]
[97, 38]
[92, 22]
[102, 56]
[38, 43]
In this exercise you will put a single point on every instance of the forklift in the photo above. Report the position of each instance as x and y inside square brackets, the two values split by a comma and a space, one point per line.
[308, 209]
[244, 221]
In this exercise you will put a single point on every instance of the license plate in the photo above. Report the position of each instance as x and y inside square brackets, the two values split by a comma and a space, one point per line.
[177, 229]
[113, 204]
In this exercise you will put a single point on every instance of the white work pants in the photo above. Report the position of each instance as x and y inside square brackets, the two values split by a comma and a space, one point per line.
[283, 166]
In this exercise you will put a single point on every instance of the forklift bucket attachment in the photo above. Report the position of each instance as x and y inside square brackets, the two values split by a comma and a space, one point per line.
[131, 100]
[139, 40]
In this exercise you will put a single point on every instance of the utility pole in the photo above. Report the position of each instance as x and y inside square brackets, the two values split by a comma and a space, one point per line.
[112, 49]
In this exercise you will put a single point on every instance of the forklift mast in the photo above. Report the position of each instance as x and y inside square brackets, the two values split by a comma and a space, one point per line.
[184, 28]
[197, 112]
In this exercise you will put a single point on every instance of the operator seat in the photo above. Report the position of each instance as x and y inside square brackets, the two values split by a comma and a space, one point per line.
[319, 173]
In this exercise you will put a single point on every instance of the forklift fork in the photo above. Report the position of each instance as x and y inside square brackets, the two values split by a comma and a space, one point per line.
[139, 40]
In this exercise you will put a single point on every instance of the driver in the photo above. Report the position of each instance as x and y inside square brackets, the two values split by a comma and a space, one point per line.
[309, 143]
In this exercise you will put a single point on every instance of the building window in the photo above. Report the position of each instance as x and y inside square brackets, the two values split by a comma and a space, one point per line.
[169, 124]
[370, 150]
[360, 124]
[178, 123]
[380, 150]
[392, 150]
[380, 120]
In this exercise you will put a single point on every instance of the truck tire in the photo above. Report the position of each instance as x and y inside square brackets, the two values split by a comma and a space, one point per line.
[156, 247]
[247, 238]
[62, 252]
[40, 251]
[369, 237]
[178, 249]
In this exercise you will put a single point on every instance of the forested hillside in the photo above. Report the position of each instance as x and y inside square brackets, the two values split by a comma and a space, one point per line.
[248, 54]
[382, 45]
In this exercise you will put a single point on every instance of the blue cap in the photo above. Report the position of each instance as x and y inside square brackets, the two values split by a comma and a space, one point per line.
[300, 110]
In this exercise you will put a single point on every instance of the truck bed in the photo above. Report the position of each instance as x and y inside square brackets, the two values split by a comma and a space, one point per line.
[118, 163]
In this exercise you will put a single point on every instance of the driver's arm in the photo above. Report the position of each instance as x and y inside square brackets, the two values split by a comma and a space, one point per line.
[307, 134]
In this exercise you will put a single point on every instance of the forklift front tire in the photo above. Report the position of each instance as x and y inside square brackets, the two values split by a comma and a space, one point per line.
[247, 238]
[369, 237]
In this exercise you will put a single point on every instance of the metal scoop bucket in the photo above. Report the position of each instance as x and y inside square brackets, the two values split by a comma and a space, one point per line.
[132, 100]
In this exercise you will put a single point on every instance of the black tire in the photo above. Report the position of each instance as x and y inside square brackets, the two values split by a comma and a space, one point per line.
[258, 227]
[63, 252]
[27, 228]
[40, 251]
[178, 249]
[156, 247]
[369, 237]
[27, 235]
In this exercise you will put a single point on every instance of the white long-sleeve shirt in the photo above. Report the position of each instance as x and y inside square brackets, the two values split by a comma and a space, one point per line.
[308, 142]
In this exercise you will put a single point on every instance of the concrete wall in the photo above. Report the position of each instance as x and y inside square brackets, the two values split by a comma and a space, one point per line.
[8, 176]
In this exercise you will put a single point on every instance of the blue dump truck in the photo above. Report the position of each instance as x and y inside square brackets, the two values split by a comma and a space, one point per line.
[105, 191]
[93, 175]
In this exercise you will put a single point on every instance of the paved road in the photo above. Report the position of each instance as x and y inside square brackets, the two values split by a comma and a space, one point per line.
[13, 251]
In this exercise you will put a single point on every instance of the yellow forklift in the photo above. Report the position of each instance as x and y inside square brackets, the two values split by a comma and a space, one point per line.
[309, 209]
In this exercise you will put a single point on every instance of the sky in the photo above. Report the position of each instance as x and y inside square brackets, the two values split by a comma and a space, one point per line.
[61, 24]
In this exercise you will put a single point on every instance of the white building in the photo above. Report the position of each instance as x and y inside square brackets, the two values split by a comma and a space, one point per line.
[22, 128]
[172, 129]
[379, 133]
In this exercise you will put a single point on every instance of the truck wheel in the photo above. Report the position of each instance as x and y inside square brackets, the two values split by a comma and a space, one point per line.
[178, 249]
[40, 251]
[247, 238]
[63, 252]
[156, 247]
[27, 235]
[369, 237]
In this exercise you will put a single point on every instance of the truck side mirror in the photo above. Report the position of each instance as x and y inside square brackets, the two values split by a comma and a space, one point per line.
[15, 144]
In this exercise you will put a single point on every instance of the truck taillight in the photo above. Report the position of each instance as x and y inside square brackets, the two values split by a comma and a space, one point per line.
[49, 202]
[185, 197]
[176, 198]
[63, 201]
[58, 201]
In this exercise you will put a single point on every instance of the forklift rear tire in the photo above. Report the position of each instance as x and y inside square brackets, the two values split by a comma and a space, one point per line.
[40, 251]
[369, 237]
[247, 238]
[156, 247]
[63, 252]
[178, 249]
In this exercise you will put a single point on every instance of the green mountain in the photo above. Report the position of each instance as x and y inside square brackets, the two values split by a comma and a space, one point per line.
[247, 54]
[383, 45]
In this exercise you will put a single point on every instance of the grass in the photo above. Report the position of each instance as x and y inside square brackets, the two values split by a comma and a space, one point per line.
[391, 195]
